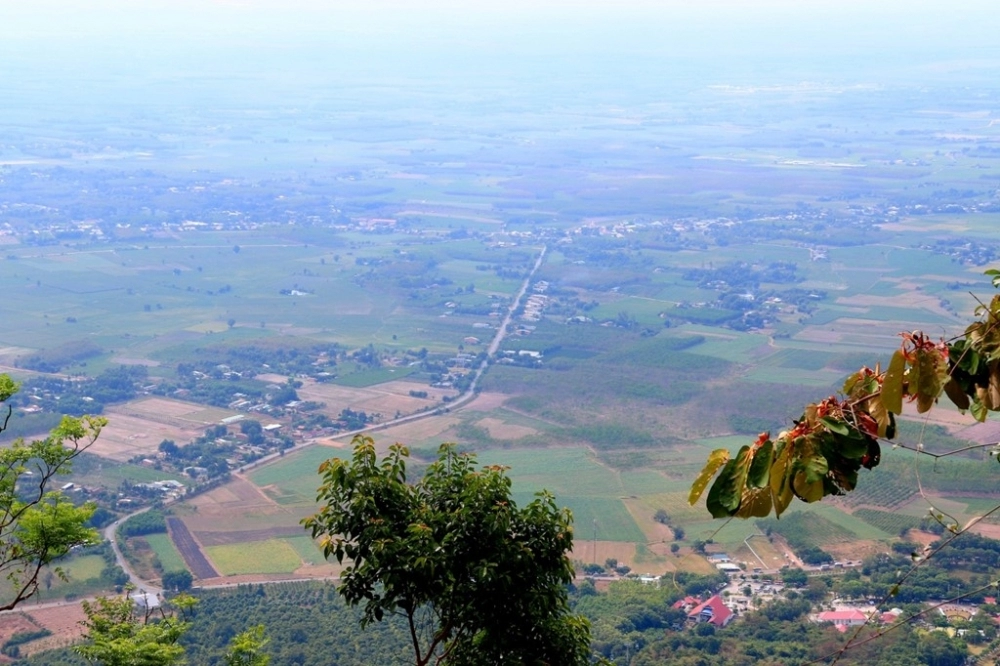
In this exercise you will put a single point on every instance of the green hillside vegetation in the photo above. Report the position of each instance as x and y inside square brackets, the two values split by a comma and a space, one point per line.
[308, 624]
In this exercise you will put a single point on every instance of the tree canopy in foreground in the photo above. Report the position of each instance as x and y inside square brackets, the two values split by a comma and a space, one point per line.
[477, 579]
[39, 524]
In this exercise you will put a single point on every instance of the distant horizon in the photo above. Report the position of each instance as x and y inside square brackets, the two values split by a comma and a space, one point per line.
[722, 41]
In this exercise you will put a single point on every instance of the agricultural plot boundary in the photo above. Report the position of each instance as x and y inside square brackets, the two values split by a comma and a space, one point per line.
[245, 536]
[189, 549]
[171, 421]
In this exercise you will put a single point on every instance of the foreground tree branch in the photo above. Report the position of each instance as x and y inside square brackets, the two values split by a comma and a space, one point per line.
[833, 439]
[39, 524]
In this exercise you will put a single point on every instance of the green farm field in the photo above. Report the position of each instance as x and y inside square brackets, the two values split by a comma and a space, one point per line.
[306, 549]
[274, 556]
[293, 479]
[95, 471]
[615, 421]
[83, 578]
[166, 552]
[141, 302]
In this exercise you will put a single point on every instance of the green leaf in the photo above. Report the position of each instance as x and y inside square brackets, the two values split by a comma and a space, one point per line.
[849, 447]
[8, 387]
[833, 425]
[755, 504]
[781, 491]
[814, 467]
[716, 459]
[964, 356]
[727, 491]
[759, 474]
[743, 459]
[807, 491]
[723, 496]
[892, 383]
[932, 372]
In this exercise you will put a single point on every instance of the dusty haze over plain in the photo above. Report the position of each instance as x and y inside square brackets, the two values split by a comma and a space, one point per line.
[58, 54]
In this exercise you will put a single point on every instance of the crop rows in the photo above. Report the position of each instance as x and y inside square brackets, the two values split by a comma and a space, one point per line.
[893, 523]
[889, 485]
[802, 530]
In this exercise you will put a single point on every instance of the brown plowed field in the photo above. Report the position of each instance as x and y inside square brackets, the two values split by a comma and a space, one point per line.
[196, 561]
[130, 435]
[14, 623]
[386, 398]
[64, 623]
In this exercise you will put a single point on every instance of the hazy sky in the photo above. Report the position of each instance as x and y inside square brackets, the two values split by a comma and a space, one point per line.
[69, 44]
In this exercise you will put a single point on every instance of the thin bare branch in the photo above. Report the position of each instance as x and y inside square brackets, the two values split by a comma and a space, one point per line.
[897, 624]
[852, 642]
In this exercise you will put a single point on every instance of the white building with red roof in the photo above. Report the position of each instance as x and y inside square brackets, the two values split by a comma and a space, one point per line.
[712, 611]
[842, 619]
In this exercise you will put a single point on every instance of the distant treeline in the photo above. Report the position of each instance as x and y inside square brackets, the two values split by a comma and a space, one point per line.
[57, 358]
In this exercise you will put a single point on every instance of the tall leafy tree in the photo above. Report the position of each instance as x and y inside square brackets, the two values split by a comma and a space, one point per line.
[38, 523]
[121, 633]
[247, 648]
[477, 579]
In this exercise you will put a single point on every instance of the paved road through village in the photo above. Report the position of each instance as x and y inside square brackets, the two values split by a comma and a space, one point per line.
[470, 393]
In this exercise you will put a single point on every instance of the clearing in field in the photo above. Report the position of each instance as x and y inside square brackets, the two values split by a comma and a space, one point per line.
[274, 556]
[759, 552]
[237, 493]
[499, 429]
[386, 398]
[125, 360]
[8, 355]
[640, 560]
[293, 479]
[63, 621]
[180, 414]
[307, 550]
[230, 537]
[127, 436]
[643, 515]
[486, 401]
[416, 433]
[855, 550]
[238, 518]
[83, 574]
[910, 298]
[12, 624]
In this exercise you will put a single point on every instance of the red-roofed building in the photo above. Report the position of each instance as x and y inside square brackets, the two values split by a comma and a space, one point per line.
[890, 617]
[712, 611]
[843, 619]
[687, 603]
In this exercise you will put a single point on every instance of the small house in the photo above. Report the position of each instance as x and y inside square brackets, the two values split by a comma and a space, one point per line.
[713, 611]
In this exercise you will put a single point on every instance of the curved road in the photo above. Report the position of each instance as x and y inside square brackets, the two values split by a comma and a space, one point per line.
[141, 586]
[470, 393]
